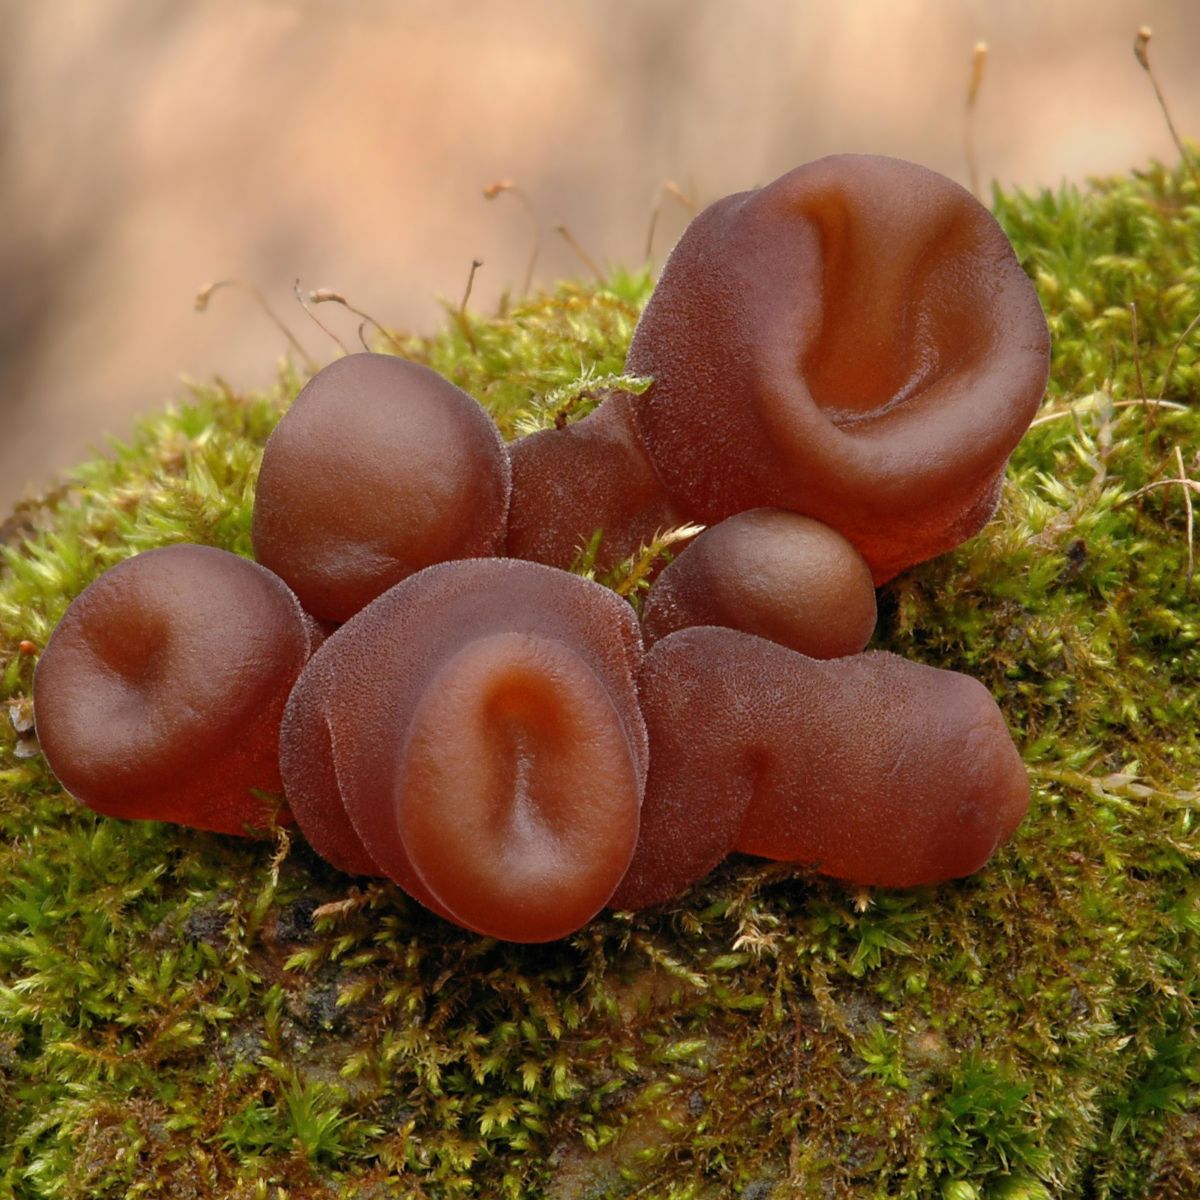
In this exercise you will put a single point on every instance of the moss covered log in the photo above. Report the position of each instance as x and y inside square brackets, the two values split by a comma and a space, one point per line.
[188, 1015]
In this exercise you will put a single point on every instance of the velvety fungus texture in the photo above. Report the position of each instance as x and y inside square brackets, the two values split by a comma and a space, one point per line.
[161, 691]
[873, 769]
[855, 341]
[489, 752]
[773, 573]
[588, 476]
[381, 467]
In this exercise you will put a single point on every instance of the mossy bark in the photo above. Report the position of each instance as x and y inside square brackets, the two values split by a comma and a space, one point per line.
[175, 1021]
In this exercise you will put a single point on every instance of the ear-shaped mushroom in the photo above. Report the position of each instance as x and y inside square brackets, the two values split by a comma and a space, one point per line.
[380, 468]
[489, 752]
[591, 475]
[773, 573]
[160, 693]
[872, 768]
[855, 342]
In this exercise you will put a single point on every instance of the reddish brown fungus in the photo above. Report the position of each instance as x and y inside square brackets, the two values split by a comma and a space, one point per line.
[161, 691]
[855, 342]
[309, 777]
[381, 467]
[489, 751]
[591, 475]
[773, 573]
[871, 768]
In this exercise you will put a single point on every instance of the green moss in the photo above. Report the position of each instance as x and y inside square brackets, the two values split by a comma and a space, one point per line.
[172, 1021]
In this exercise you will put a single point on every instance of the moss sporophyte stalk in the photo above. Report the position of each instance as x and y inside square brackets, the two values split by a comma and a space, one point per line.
[182, 1013]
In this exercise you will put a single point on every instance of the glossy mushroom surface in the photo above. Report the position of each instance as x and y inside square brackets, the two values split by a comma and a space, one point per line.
[380, 468]
[871, 768]
[856, 342]
[161, 691]
[488, 747]
[773, 573]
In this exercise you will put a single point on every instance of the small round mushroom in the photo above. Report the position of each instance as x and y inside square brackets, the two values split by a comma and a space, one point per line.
[855, 342]
[161, 691]
[870, 768]
[488, 751]
[773, 573]
[380, 468]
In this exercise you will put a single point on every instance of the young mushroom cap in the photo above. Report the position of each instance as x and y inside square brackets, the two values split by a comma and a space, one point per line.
[773, 573]
[871, 768]
[855, 341]
[488, 746]
[380, 468]
[161, 691]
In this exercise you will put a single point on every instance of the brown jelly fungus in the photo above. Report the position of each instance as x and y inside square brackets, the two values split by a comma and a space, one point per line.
[161, 691]
[856, 342]
[773, 573]
[380, 468]
[489, 753]
[588, 476]
[871, 768]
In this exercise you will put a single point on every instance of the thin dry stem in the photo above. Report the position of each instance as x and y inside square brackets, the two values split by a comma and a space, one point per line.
[1183, 337]
[507, 186]
[1141, 51]
[667, 188]
[317, 320]
[204, 295]
[978, 64]
[583, 256]
[329, 296]
[460, 315]
[1072, 410]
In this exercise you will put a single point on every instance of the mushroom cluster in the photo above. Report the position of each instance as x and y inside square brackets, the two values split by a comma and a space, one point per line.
[841, 363]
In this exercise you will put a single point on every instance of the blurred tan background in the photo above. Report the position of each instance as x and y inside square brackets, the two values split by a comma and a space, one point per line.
[147, 148]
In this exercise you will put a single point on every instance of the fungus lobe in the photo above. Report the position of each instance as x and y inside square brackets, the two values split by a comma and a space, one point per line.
[856, 342]
[874, 769]
[161, 691]
[591, 475]
[773, 573]
[489, 751]
[381, 467]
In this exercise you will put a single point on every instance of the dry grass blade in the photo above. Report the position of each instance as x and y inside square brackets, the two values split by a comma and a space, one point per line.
[1191, 520]
[1073, 410]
